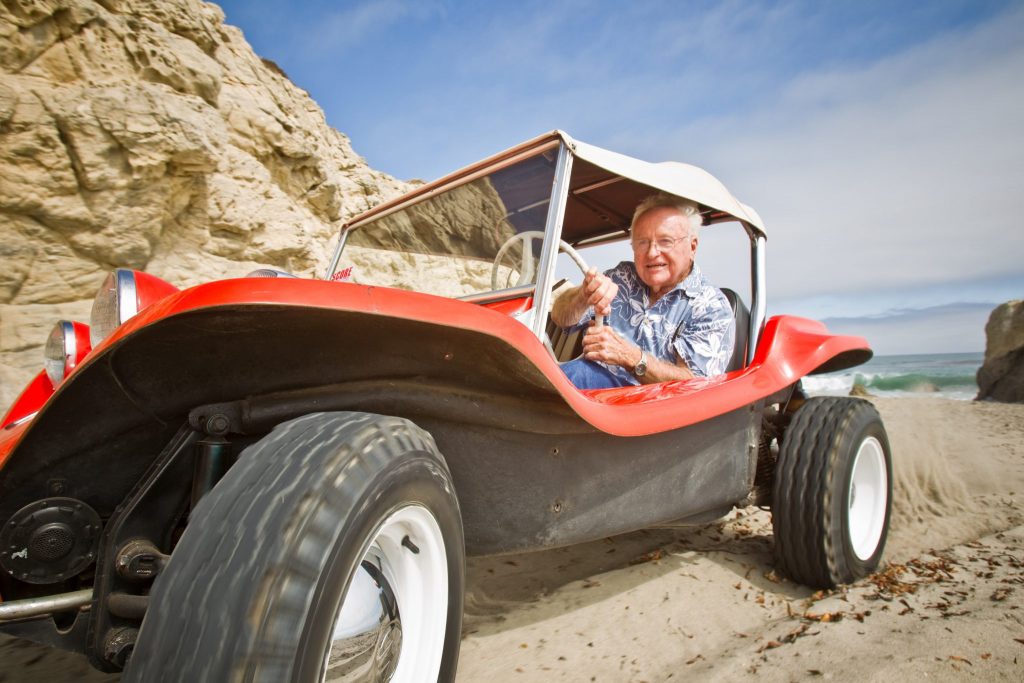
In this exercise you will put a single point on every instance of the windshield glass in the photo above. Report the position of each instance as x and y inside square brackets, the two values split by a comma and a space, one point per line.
[466, 240]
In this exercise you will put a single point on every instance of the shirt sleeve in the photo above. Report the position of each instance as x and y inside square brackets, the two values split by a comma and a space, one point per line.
[705, 340]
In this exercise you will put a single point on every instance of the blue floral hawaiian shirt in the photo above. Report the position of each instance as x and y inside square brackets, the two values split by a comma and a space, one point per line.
[693, 321]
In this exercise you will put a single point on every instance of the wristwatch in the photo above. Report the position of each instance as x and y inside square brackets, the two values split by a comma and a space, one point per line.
[641, 365]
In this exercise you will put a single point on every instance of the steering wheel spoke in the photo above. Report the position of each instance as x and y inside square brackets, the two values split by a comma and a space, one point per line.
[528, 269]
[527, 266]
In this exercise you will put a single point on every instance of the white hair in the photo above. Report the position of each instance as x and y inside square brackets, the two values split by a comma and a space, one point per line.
[685, 207]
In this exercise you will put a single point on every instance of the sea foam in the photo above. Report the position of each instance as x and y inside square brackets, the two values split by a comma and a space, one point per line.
[942, 375]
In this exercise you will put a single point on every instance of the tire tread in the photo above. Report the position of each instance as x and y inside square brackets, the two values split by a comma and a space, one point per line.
[810, 459]
[231, 538]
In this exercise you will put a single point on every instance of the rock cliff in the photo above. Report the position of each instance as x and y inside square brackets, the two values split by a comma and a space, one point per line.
[1001, 376]
[147, 134]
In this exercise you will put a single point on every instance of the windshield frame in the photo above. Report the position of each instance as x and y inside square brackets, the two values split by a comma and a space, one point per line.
[525, 157]
[625, 168]
[538, 315]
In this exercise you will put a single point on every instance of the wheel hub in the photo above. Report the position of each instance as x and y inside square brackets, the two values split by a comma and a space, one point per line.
[368, 633]
[391, 623]
[867, 498]
[50, 540]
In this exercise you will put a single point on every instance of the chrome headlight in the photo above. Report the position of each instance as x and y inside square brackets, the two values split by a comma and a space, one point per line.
[270, 272]
[66, 346]
[115, 303]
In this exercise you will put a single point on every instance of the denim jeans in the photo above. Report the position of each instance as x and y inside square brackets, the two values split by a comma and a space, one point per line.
[586, 374]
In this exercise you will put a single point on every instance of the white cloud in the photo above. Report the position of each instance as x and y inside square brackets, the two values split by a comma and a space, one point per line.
[359, 23]
[903, 174]
[887, 175]
[953, 328]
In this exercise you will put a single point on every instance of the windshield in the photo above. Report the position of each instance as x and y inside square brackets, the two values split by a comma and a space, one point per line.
[466, 240]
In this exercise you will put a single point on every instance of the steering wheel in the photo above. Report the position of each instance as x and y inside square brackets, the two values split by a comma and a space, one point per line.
[526, 269]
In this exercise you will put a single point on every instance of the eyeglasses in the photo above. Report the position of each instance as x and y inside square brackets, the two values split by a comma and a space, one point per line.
[662, 243]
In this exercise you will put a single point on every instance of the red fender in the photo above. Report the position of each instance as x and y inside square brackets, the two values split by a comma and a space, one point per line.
[789, 349]
[35, 394]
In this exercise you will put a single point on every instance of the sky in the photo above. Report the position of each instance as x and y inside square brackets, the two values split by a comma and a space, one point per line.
[882, 143]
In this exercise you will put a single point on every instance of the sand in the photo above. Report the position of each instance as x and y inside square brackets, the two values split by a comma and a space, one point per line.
[703, 603]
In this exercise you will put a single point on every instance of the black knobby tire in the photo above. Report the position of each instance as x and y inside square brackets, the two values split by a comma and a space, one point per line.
[819, 541]
[252, 590]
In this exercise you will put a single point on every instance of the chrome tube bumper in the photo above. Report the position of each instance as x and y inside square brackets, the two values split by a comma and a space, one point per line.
[34, 607]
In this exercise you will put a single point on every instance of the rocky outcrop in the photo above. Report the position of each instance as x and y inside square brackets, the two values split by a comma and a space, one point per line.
[147, 134]
[860, 390]
[1001, 377]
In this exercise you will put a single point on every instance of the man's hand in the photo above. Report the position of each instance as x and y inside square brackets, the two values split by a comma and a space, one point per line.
[598, 291]
[601, 343]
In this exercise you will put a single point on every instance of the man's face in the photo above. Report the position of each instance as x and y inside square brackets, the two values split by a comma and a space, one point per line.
[662, 269]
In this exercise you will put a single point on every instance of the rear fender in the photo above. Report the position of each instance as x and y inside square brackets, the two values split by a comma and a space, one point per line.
[794, 347]
[790, 348]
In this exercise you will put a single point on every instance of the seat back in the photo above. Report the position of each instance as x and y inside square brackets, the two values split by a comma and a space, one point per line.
[566, 345]
[742, 316]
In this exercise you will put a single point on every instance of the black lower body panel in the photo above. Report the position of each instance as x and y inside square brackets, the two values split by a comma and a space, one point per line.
[522, 491]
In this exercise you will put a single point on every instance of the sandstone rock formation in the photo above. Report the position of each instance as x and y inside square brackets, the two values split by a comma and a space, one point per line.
[1001, 376]
[147, 134]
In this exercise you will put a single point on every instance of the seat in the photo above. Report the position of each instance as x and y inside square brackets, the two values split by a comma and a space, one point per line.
[566, 345]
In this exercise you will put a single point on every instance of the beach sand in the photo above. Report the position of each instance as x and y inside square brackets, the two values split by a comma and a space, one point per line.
[703, 603]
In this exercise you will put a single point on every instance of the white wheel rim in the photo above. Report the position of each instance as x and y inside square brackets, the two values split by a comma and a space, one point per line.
[416, 572]
[869, 490]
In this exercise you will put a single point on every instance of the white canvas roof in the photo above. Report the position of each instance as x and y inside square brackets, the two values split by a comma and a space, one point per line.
[683, 180]
[673, 177]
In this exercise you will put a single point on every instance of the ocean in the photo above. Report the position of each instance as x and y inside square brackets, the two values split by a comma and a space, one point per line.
[946, 375]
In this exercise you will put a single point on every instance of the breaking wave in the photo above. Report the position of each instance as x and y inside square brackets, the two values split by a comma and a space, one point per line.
[950, 376]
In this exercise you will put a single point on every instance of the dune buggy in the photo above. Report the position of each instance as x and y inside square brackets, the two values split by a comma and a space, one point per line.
[277, 478]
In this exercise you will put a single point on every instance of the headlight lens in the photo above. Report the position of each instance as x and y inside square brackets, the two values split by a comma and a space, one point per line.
[270, 272]
[66, 346]
[115, 303]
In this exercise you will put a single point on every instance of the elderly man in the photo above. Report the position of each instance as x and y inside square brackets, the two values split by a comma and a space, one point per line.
[665, 321]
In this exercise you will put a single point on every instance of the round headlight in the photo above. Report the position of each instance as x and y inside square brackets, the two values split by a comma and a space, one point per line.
[66, 346]
[58, 352]
[124, 294]
[270, 272]
[114, 304]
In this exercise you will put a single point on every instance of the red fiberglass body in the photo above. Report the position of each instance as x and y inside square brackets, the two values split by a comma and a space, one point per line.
[789, 349]
[414, 417]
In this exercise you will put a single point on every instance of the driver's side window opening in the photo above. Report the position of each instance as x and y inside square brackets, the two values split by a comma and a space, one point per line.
[723, 255]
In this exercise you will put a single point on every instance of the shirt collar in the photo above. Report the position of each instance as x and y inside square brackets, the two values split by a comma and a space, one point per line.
[693, 283]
